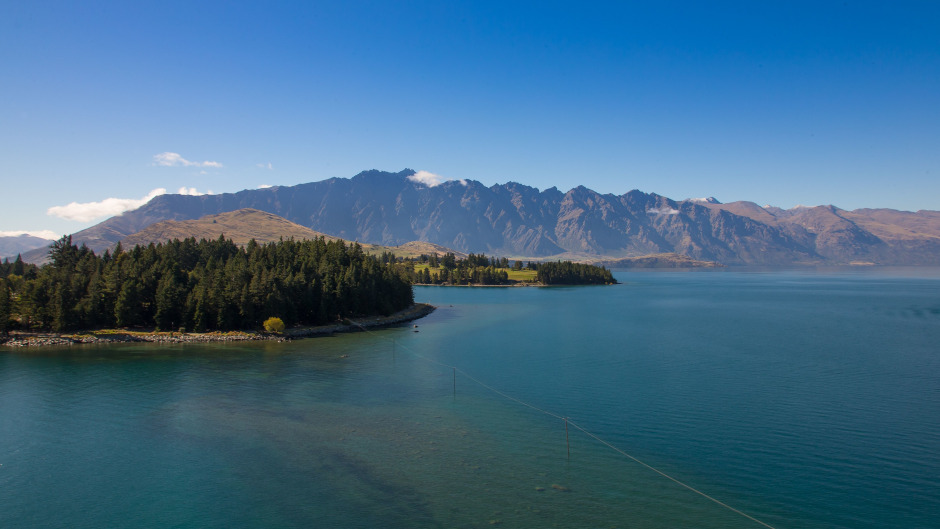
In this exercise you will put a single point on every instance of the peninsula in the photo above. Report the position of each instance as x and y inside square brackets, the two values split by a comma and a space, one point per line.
[480, 270]
[189, 286]
[184, 291]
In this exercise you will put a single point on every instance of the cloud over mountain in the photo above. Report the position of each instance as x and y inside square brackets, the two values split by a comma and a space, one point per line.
[88, 211]
[430, 179]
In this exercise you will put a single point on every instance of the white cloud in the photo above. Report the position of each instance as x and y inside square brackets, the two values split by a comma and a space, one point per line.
[430, 179]
[45, 234]
[171, 159]
[662, 211]
[267, 166]
[109, 207]
[191, 191]
[265, 186]
[88, 211]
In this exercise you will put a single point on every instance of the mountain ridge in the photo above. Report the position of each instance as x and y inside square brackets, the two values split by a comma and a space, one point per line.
[516, 220]
[12, 245]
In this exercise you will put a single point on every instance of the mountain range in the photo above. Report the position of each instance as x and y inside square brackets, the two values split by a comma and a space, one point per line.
[12, 245]
[518, 221]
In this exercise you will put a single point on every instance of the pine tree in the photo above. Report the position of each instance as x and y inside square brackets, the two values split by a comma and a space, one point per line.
[6, 306]
[63, 315]
[169, 303]
[127, 308]
[19, 268]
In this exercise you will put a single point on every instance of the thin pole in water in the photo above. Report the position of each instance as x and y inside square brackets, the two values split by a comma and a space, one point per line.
[455, 382]
[567, 442]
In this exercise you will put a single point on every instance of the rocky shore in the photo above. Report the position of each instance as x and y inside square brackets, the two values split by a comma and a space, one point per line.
[416, 311]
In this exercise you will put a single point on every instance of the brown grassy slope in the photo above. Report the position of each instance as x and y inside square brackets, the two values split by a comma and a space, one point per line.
[240, 226]
[416, 248]
[245, 224]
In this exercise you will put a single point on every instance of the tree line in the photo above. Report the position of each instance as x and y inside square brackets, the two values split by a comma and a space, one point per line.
[478, 269]
[568, 273]
[216, 285]
[199, 286]
[462, 275]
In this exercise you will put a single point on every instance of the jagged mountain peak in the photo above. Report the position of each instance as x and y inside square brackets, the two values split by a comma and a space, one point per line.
[378, 175]
[516, 220]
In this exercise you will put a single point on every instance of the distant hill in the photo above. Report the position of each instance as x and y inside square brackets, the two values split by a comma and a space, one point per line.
[10, 247]
[243, 225]
[417, 248]
[663, 260]
[240, 226]
[519, 221]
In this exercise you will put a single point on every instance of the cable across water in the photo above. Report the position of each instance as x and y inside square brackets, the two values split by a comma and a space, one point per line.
[567, 421]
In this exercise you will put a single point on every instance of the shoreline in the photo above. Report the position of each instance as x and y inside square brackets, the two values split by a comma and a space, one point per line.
[510, 285]
[518, 284]
[109, 336]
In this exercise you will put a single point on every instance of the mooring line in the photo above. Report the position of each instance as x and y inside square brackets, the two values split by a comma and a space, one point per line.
[567, 422]
[667, 476]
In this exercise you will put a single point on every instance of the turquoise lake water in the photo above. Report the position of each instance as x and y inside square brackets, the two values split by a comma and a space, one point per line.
[803, 399]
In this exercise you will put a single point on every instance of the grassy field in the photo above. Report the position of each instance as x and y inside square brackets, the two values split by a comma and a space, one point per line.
[521, 275]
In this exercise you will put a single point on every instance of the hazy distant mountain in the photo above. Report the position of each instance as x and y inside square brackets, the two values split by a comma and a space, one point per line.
[876, 236]
[11, 246]
[515, 220]
[663, 260]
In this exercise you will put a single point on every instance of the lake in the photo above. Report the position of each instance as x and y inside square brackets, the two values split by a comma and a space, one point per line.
[801, 398]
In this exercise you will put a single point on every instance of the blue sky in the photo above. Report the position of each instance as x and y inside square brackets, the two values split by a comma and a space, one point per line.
[103, 104]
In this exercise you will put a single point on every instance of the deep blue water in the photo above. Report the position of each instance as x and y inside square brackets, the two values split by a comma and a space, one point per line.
[801, 398]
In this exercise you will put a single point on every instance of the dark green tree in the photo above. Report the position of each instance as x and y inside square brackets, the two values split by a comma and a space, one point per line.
[449, 261]
[128, 308]
[19, 268]
[170, 302]
[6, 307]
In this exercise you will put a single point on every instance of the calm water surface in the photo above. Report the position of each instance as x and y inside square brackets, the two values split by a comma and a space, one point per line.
[804, 399]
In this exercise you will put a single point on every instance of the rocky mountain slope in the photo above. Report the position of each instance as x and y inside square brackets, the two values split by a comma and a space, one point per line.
[515, 220]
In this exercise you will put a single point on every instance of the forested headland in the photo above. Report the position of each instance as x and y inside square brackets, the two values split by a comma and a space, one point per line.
[216, 285]
[199, 286]
[478, 269]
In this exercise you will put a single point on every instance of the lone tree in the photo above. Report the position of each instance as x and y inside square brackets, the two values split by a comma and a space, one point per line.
[274, 325]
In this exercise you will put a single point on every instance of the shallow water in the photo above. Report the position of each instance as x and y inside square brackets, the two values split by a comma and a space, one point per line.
[801, 398]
